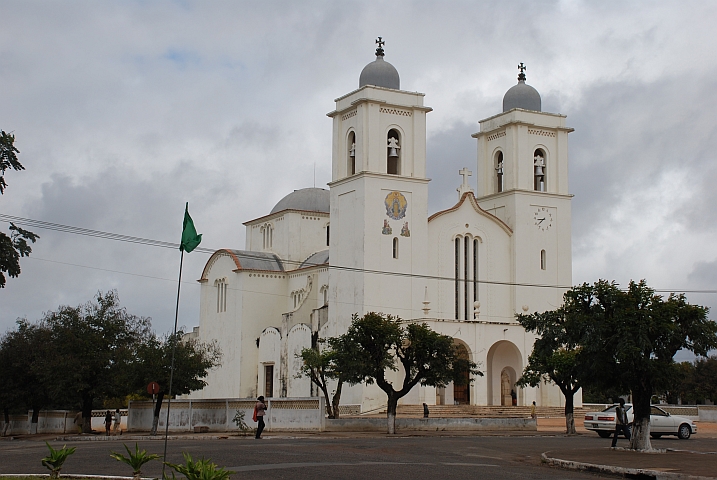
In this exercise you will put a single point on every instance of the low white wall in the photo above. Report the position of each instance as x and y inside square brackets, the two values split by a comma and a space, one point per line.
[431, 424]
[217, 415]
[707, 413]
[56, 421]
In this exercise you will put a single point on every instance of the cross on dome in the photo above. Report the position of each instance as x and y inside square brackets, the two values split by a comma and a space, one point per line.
[521, 75]
[379, 50]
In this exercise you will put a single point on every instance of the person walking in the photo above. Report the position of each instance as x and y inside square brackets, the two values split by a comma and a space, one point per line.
[108, 423]
[259, 410]
[118, 421]
[620, 422]
[532, 410]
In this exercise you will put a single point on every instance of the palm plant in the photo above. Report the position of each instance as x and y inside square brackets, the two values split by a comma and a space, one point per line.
[135, 460]
[56, 459]
[200, 469]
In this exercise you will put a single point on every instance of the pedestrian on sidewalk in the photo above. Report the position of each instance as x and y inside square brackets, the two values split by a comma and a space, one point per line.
[118, 421]
[259, 410]
[108, 423]
[532, 411]
[620, 422]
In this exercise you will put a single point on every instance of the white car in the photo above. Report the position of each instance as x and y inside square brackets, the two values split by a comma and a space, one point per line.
[661, 422]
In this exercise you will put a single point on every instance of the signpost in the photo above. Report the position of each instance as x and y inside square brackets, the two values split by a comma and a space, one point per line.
[153, 389]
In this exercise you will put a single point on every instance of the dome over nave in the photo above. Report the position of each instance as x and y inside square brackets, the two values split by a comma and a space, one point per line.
[306, 199]
[380, 73]
[522, 95]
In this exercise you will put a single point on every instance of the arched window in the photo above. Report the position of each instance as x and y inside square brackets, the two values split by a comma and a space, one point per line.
[221, 285]
[393, 153]
[475, 270]
[539, 175]
[457, 269]
[542, 259]
[267, 232]
[351, 154]
[499, 172]
[395, 247]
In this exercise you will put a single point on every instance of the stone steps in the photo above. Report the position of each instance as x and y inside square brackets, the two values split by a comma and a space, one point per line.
[464, 411]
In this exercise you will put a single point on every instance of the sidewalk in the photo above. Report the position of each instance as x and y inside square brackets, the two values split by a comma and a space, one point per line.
[673, 464]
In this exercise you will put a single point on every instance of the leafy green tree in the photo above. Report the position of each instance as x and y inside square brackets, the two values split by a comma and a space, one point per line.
[321, 364]
[15, 245]
[706, 378]
[556, 355]
[24, 354]
[379, 343]
[632, 339]
[192, 362]
[94, 347]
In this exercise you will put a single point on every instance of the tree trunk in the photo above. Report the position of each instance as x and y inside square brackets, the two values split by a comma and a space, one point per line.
[157, 409]
[569, 411]
[391, 414]
[329, 411]
[86, 414]
[6, 413]
[641, 396]
[337, 399]
[641, 435]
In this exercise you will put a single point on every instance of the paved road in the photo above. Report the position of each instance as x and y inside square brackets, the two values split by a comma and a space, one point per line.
[504, 456]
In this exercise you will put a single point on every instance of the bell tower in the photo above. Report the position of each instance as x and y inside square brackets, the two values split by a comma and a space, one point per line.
[379, 197]
[523, 180]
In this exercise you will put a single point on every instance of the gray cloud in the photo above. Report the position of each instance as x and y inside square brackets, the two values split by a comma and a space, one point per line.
[125, 111]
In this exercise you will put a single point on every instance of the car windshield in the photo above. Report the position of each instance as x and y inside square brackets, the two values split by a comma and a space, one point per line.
[612, 408]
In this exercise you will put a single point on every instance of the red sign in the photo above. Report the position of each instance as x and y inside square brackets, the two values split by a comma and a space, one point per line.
[153, 388]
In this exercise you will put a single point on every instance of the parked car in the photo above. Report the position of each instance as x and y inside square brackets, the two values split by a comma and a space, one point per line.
[661, 422]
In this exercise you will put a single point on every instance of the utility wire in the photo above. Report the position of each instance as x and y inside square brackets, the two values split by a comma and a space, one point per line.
[241, 254]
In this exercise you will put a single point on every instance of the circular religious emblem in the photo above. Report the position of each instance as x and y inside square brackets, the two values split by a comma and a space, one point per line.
[396, 205]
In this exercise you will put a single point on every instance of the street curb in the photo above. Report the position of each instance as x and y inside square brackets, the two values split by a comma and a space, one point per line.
[620, 471]
[140, 437]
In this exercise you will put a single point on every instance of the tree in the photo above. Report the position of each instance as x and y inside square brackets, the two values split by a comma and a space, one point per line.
[379, 342]
[24, 354]
[706, 378]
[321, 364]
[192, 362]
[633, 337]
[556, 355]
[15, 245]
[94, 347]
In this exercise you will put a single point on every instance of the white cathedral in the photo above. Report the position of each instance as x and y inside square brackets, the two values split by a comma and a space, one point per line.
[368, 244]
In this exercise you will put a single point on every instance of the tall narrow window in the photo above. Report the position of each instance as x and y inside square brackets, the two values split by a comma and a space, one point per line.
[466, 264]
[395, 247]
[499, 171]
[542, 259]
[268, 381]
[475, 271]
[352, 154]
[328, 235]
[539, 170]
[393, 153]
[267, 232]
[221, 295]
[457, 244]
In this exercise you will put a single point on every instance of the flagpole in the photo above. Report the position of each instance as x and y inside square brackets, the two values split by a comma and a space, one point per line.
[171, 371]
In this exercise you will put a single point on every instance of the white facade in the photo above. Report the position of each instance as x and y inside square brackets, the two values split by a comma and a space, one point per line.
[369, 244]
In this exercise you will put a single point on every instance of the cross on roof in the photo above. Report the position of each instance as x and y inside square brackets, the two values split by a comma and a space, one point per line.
[466, 173]
[379, 50]
[522, 68]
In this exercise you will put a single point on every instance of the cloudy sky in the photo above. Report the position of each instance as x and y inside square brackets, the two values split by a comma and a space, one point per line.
[123, 111]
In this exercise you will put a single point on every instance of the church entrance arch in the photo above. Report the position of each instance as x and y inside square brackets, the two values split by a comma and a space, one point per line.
[462, 393]
[504, 364]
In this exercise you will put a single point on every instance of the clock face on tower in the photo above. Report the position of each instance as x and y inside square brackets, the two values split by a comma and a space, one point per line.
[542, 218]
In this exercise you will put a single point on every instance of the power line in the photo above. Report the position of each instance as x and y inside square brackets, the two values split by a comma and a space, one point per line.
[248, 255]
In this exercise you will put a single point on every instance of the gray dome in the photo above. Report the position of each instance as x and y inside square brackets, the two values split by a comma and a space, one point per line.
[521, 96]
[306, 199]
[380, 73]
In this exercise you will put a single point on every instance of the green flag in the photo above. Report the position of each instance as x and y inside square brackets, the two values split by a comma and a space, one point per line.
[190, 239]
